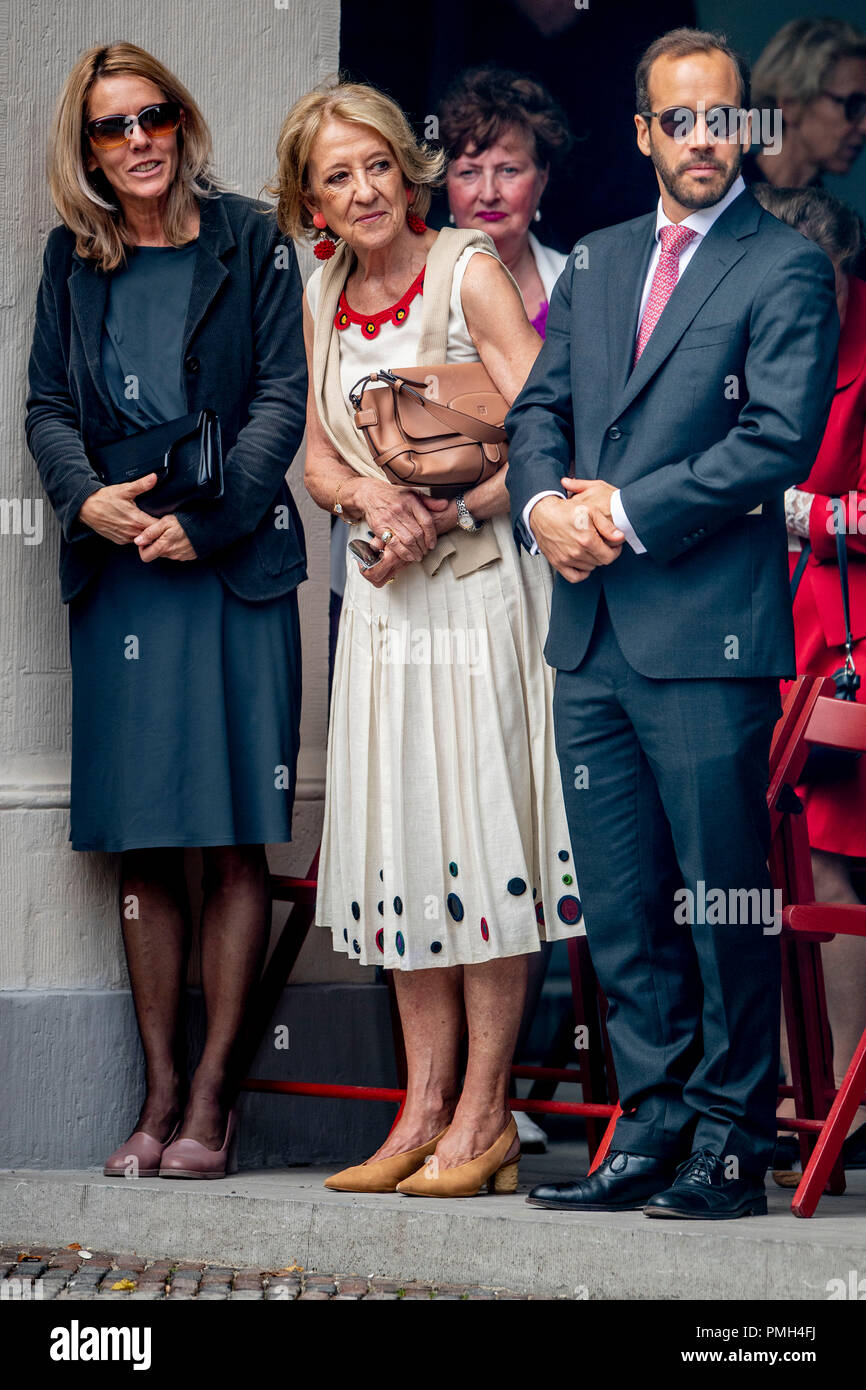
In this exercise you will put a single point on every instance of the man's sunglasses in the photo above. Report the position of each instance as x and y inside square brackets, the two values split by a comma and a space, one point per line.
[854, 104]
[109, 132]
[678, 122]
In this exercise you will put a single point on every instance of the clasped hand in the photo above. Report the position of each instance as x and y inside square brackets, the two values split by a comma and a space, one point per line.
[577, 533]
[415, 521]
[112, 512]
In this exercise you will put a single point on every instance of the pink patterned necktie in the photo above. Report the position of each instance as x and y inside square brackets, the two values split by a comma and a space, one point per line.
[673, 239]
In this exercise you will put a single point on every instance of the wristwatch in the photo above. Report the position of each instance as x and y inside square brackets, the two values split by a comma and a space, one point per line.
[465, 519]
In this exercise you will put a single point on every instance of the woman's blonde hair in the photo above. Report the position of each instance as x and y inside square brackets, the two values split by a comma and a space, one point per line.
[421, 165]
[800, 57]
[86, 201]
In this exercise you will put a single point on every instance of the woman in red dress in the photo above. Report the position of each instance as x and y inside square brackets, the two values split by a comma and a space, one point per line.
[835, 812]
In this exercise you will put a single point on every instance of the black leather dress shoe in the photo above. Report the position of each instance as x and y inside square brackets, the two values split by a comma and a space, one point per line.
[622, 1182]
[701, 1192]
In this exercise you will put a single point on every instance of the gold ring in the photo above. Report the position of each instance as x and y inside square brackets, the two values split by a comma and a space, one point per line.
[391, 580]
[387, 536]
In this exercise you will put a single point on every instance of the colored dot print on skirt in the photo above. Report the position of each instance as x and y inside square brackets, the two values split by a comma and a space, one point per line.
[516, 886]
[452, 869]
[345, 933]
[356, 947]
[398, 906]
[563, 854]
[435, 947]
[455, 907]
[380, 907]
[539, 914]
[569, 909]
[567, 878]
[399, 943]
[485, 930]
[356, 911]
[380, 939]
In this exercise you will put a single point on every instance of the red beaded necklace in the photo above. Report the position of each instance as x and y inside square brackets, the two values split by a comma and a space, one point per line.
[371, 323]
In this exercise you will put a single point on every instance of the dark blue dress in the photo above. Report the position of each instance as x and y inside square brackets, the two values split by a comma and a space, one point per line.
[186, 699]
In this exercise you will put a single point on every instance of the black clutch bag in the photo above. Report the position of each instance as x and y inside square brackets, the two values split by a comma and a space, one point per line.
[185, 454]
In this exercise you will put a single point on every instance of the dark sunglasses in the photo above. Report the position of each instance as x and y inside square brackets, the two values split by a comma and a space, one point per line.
[854, 104]
[678, 122]
[109, 132]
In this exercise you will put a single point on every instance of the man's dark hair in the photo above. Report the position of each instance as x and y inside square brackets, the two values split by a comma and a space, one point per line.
[680, 43]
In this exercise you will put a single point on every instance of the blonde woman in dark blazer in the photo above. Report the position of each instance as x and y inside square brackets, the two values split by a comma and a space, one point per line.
[162, 295]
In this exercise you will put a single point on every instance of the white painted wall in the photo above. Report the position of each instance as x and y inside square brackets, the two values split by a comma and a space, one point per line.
[245, 61]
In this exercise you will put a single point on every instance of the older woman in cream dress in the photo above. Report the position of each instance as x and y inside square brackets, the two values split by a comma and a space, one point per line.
[445, 850]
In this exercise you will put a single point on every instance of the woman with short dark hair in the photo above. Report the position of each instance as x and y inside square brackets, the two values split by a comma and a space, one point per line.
[162, 298]
[503, 134]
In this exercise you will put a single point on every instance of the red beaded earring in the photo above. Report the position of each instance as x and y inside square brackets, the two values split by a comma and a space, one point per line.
[415, 223]
[324, 247]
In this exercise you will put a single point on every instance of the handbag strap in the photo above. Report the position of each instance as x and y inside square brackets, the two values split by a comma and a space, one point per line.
[456, 421]
[800, 569]
[842, 559]
[842, 555]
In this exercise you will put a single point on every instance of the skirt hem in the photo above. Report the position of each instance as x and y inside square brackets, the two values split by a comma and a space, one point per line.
[185, 843]
[436, 963]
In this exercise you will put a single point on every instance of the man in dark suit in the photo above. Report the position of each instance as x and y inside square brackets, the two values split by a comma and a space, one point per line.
[688, 371]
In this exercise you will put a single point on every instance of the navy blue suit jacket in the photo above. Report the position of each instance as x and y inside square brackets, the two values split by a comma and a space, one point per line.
[724, 410]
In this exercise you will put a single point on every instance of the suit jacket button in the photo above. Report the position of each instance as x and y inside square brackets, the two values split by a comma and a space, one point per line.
[192, 364]
[614, 432]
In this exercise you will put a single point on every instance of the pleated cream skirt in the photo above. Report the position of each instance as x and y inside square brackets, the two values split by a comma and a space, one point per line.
[445, 840]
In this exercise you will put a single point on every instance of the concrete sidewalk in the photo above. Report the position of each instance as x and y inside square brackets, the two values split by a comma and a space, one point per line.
[271, 1219]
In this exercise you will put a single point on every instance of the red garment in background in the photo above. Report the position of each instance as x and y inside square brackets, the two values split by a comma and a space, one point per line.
[836, 814]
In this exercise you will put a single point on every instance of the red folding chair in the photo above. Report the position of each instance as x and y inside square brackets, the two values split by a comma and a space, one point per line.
[811, 717]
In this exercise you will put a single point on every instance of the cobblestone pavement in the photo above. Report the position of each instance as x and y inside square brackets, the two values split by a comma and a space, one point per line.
[36, 1272]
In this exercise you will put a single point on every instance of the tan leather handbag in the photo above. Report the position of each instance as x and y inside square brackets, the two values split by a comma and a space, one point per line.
[436, 426]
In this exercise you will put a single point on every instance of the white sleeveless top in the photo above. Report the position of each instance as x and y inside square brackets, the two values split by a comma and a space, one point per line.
[396, 344]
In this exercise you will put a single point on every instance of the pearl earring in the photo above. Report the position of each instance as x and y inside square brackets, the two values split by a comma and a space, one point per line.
[536, 216]
[451, 218]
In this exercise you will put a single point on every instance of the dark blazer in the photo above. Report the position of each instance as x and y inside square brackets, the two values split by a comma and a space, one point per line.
[724, 410]
[243, 355]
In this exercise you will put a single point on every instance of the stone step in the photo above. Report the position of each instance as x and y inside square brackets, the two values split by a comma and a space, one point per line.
[272, 1219]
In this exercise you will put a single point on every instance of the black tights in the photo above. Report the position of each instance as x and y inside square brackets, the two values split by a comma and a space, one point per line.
[156, 921]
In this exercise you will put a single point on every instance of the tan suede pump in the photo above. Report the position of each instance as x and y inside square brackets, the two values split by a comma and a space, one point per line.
[382, 1174]
[467, 1179]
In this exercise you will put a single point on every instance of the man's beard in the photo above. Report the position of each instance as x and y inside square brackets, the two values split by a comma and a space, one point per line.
[698, 197]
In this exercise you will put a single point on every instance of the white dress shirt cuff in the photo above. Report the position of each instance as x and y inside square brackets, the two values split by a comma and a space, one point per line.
[551, 492]
[622, 523]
